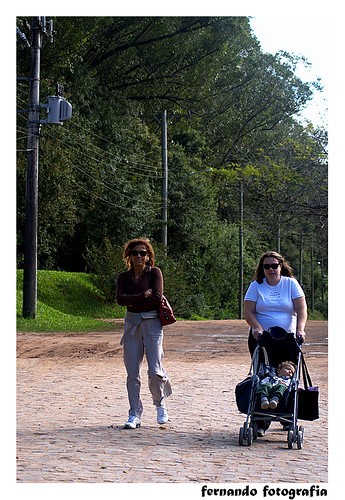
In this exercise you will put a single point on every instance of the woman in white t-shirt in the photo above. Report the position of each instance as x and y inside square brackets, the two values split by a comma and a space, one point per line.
[274, 298]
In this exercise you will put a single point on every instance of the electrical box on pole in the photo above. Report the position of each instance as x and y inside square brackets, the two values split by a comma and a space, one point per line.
[58, 109]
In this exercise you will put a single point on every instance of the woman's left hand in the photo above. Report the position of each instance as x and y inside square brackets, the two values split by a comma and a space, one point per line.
[301, 335]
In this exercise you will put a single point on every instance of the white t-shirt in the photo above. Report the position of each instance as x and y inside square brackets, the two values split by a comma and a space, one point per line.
[274, 304]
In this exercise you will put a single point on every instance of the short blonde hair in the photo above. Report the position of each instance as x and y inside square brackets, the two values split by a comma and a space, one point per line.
[287, 363]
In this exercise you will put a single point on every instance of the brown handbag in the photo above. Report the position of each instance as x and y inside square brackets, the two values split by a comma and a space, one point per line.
[165, 311]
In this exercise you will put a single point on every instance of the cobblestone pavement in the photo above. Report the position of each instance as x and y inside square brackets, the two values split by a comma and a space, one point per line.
[71, 410]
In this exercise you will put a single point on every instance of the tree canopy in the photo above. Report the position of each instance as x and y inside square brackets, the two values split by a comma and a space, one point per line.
[231, 127]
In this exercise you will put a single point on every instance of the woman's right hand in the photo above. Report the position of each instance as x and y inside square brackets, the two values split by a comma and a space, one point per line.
[148, 293]
[257, 333]
[250, 317]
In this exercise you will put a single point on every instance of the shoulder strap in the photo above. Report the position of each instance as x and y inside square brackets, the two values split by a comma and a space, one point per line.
[306, 377]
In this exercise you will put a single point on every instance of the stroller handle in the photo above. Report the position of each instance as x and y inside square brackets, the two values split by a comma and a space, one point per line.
[276, 332]
[299, 339]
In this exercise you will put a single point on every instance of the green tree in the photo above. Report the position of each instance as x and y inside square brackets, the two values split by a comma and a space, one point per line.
[100, 174]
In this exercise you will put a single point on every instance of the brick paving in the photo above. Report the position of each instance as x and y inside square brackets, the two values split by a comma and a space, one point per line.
[71, 410]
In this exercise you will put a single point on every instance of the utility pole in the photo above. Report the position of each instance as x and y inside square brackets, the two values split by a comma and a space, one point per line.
[164, 128]
[58, 111]
[165, 179]
[312, 275]
[278, 234]
[240, 270]
[31, 198]
[300, 274]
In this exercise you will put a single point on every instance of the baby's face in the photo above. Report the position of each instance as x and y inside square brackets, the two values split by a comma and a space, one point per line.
[285, 371]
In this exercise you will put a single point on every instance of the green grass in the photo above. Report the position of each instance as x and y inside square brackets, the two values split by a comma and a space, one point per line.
[71, 302]
[66, 302]
[316, 316]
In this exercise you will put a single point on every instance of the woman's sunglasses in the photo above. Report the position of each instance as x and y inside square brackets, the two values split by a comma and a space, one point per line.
[269, 266]
[142, 253]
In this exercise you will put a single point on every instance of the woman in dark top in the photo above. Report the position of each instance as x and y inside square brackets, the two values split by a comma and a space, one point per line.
[141, 289]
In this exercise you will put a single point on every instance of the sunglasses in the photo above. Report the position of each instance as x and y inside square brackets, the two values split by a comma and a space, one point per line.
[269, 266]
[142, 253]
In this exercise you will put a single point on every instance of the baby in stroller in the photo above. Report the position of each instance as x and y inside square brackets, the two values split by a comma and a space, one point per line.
[273, 385]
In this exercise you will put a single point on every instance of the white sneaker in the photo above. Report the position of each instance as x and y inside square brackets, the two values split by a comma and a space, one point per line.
[162, 415]
[132, 422]
[264, 403]
[274, 403]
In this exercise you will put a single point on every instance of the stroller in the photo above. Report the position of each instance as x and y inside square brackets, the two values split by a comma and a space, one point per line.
[274, 346]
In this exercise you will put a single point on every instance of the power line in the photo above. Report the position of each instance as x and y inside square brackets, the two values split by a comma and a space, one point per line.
[136, 167]
[105, 156]
[111, 203]
[108, 186]
[150, 208]
[103, 183]
[115, 145]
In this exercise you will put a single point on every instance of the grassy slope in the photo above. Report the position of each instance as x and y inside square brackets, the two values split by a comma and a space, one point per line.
[71, 302]
[66, 302]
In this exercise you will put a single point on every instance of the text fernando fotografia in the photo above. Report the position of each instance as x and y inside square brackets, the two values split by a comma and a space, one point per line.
[267, 491]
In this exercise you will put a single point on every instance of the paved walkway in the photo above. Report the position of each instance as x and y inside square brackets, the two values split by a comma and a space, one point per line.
[70, 415]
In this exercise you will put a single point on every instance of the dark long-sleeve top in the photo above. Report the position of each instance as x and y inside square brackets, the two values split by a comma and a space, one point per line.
[132, 294]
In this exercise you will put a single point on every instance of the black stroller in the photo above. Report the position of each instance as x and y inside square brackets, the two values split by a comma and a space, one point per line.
[275, 346]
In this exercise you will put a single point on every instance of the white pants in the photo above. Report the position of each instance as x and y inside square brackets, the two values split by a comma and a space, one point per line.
[145, 337]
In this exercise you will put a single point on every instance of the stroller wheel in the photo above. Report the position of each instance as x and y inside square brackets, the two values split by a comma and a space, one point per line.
[249, 436]
[240, 437]
[255, 431]
[290, 439]
[300, 438]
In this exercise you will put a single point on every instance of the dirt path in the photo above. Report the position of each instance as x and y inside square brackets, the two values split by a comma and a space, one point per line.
[72, 403]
